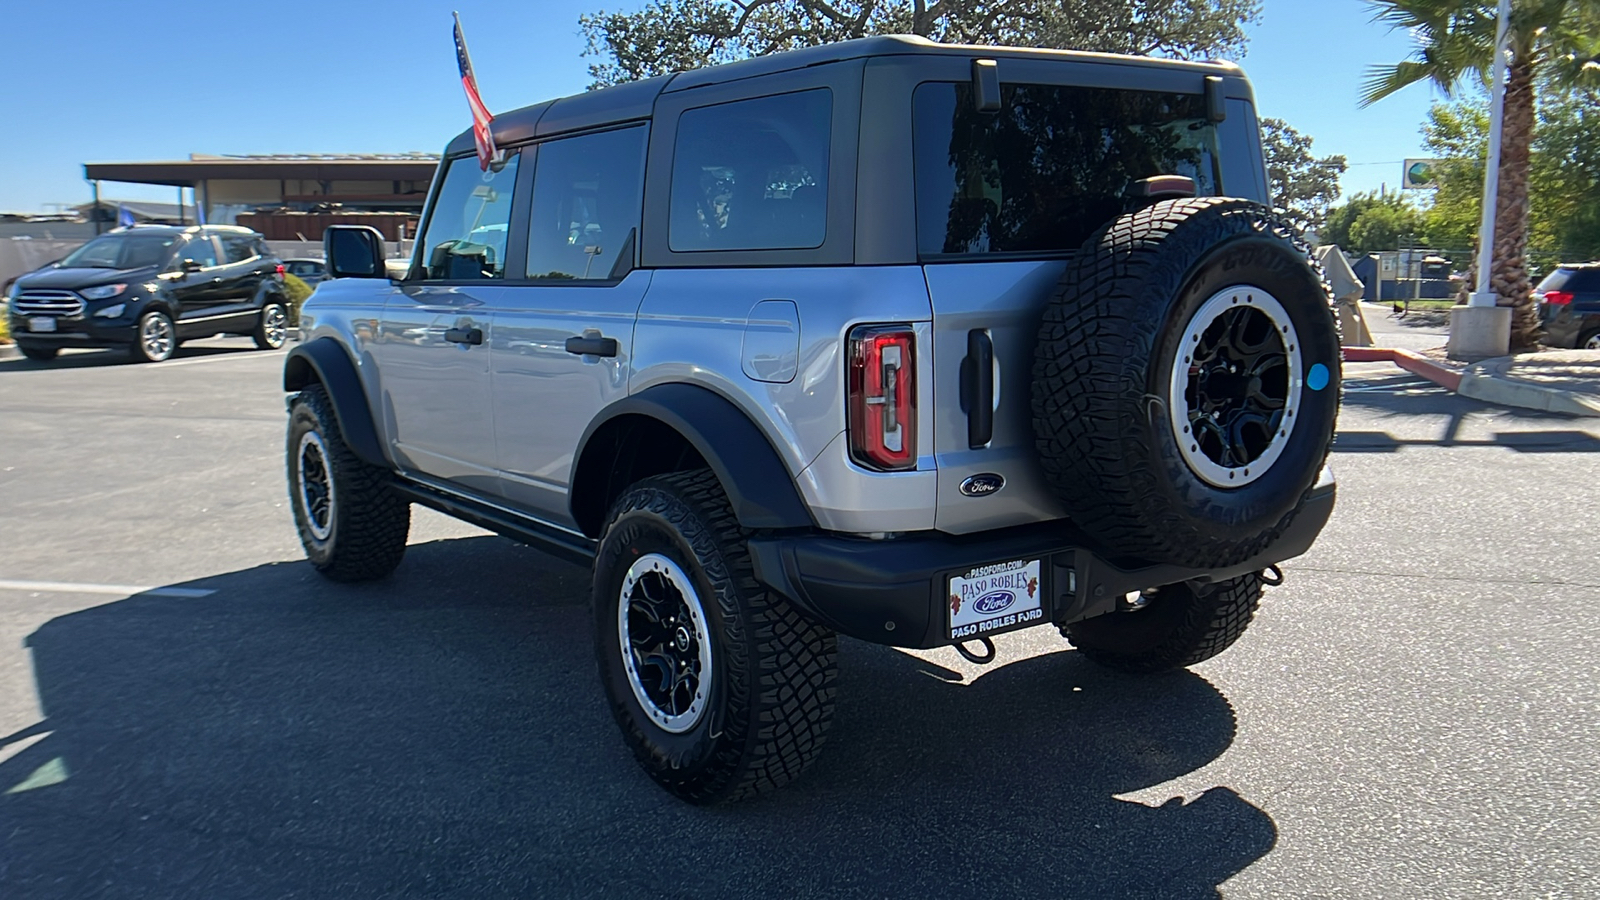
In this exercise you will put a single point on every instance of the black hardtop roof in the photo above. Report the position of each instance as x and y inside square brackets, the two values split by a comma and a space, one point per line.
[636, 100]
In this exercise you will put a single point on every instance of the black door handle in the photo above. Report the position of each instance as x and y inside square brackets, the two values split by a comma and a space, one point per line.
[473, 336]
[592, 346]
[977, 388]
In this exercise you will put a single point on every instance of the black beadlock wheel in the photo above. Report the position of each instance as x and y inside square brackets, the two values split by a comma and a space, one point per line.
[1170, 627]
[351, 522]
[721, 688]
[1186, 382]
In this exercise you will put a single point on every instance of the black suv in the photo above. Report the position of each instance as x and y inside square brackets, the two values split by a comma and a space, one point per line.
[148, 289]
[1569, 306]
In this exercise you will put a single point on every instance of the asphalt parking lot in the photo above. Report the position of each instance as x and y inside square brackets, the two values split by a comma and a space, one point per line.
[187, 710]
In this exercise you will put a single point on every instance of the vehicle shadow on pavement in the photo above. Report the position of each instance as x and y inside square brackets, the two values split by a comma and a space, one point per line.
[442, 734]
[1405, 395]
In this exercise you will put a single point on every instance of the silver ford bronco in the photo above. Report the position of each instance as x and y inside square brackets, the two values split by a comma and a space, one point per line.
[909, 342]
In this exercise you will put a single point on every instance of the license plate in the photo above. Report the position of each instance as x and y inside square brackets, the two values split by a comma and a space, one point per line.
[992, 599]
[43, 323]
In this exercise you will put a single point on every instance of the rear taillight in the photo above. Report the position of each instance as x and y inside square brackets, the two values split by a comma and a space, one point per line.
[1558, 298]
[883, 397]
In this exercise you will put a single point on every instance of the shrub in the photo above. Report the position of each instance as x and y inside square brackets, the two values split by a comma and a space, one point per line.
[297, 291]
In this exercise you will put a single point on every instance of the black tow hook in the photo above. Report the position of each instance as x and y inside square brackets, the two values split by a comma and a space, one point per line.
[1272, 577]
[974, 658]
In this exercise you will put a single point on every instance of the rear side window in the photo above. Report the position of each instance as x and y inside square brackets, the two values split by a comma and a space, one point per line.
[465, 238]
[1572, 280]
[587, 191]
[1052, 166]
[237, 248]
[753, 174]
[200, 250]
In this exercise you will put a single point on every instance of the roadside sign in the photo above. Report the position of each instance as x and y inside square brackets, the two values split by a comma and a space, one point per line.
[1420, 173]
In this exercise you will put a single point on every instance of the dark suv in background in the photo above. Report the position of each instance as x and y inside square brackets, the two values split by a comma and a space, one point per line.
[148, 289]
[1569, 306]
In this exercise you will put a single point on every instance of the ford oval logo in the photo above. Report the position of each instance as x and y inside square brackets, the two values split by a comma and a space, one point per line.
[994, 601]
[983, 484]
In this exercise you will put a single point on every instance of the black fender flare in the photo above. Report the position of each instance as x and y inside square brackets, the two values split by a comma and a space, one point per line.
[326, 361]
[759, 485]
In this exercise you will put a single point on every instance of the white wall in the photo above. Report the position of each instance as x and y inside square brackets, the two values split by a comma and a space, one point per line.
[21, 257]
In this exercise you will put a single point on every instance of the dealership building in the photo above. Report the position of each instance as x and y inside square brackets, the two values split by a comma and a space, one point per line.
[283, 196]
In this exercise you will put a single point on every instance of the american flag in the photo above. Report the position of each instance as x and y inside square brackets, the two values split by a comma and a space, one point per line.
[481, 133]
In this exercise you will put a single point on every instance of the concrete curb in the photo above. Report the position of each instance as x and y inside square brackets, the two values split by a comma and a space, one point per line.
[1491, 382]
[1414, 363]
[1487, 381]
[8, 351]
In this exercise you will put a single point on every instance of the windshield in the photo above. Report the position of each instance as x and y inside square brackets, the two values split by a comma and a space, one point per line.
[120, 251]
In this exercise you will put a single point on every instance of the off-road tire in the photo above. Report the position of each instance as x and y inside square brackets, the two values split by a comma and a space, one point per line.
[37, 353]
[263, 334]
[1178, 627]
[1103, 370]
[772, 668]
[368, 523]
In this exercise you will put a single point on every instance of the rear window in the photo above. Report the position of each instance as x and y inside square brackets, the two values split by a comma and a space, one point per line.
[753, 174]
[1574, 281]
[1052, 166]
[239, 247]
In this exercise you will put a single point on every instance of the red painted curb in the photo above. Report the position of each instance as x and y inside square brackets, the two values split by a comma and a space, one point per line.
[1411, 362]
[1427, 368]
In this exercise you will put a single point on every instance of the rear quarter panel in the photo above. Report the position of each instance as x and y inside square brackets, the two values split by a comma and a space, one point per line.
[692, 329]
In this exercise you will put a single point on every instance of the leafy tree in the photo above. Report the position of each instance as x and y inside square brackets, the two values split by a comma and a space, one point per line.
[676, 35]
[1300, 183]
[1457, 133]
[1563, 178]
[1371, 222]
[1559, 39]
[1567, 175]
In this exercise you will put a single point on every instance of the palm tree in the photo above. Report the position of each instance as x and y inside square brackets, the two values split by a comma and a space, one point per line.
[1558, 40]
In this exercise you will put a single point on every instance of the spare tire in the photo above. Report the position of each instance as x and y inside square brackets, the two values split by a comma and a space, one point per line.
[1186, 382]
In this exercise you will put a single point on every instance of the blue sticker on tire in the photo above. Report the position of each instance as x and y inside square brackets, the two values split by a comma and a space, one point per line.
[1317, 378]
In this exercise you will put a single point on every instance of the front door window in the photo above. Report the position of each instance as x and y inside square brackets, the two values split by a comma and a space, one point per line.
[466, 235]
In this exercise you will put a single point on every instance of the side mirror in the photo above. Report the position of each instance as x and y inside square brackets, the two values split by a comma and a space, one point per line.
[188, 266]
[353, 251]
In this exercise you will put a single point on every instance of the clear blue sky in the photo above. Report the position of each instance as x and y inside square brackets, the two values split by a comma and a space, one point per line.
[98, 80]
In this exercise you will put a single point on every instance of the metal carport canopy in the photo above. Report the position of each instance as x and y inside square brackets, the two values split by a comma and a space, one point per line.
[187, 172]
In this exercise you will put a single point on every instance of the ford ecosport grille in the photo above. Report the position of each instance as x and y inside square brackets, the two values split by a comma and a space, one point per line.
[52, 303]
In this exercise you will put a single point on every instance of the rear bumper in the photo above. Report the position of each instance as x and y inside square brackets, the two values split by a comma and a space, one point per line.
[893, 591]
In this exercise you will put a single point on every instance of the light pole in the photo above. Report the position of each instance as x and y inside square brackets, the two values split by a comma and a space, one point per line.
[1483, 329]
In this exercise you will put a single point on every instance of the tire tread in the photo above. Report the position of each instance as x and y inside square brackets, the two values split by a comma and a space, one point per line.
[781, 688]
[374, 521]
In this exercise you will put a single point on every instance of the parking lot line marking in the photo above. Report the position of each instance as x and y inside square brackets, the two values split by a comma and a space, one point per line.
[220, 357]
[122, 590]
